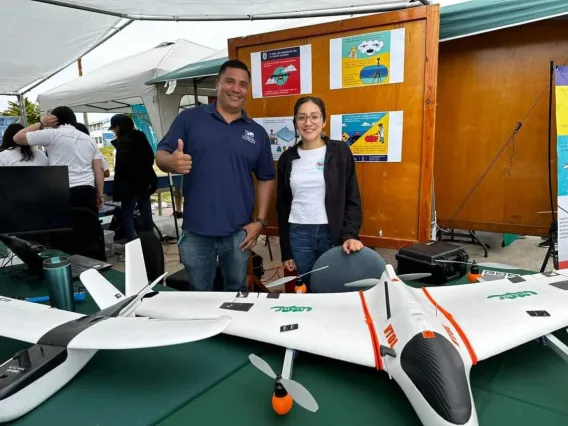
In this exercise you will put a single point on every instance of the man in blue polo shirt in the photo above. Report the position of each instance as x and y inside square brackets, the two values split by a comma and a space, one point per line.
[218, 148]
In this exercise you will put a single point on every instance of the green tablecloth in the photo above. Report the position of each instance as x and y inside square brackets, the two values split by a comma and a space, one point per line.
[211, 383]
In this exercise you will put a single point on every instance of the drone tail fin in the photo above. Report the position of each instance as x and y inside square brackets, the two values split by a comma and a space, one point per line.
[135, 267]
[100, 289]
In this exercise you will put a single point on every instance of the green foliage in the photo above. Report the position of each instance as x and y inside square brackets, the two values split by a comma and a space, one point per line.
[32, 111]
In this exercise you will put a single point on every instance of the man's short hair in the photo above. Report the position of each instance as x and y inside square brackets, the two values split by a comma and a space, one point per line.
[234, 63]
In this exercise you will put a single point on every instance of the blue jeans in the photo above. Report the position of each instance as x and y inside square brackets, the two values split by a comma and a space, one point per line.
[308, 243]
[127, 215]
[199, 256]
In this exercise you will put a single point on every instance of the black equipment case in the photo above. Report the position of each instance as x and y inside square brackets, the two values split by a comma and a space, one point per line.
[424, 257]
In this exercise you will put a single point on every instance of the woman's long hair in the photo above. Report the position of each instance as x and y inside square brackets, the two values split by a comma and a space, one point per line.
[299, 103]
[8, 142]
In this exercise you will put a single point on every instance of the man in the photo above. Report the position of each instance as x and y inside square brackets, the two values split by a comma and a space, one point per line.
[67, 146]
[218, 147]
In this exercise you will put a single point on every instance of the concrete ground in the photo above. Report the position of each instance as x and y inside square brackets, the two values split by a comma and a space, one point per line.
[523, 253]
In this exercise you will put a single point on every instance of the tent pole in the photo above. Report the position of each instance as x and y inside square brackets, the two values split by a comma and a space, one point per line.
[23, 112]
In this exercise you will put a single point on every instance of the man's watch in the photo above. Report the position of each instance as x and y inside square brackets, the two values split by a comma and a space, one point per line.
[264, 222]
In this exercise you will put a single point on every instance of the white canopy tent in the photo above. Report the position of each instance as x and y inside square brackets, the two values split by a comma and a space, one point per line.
[39, 40]
[115, 87]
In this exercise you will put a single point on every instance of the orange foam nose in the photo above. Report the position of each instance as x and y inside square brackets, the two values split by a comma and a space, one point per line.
[301, 289]
[282, 405]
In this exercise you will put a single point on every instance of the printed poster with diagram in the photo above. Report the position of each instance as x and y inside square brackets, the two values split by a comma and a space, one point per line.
[280, 132]
[372, 137]
[282, 72]
[367, 59]
[561, 91]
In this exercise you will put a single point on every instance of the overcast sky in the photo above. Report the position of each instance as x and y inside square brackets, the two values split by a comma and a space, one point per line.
[144, 35]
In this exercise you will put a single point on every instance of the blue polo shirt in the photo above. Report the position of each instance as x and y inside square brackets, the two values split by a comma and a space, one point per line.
[219, 196]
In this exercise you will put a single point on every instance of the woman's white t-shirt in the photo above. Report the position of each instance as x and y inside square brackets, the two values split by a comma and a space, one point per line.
[308, 188]
[67, 146]
[13, 157]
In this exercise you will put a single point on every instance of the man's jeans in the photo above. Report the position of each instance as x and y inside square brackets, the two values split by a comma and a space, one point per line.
[308, 243]
[199, 256]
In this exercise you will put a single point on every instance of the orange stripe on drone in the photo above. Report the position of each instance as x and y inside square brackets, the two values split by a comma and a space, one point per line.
[374, 338]
[451, 319]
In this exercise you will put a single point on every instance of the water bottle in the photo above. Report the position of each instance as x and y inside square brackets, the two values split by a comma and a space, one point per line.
[57, 272]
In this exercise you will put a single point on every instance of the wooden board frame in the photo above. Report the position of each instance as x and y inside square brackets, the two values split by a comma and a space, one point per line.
[240, 48]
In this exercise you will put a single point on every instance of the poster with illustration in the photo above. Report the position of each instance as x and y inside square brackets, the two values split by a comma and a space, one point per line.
[282, 72]
[561, 92]
[372, 137]
[280, 132]
[367, 59]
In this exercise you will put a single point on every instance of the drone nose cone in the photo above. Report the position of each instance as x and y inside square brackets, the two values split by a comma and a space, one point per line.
[436, 368]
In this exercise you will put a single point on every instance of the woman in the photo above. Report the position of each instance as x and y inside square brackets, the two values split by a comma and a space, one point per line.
[12, 154]
[134, 176]
[318, 201]
[67, 146]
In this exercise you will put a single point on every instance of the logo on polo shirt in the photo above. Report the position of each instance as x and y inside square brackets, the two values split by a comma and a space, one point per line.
[249, 136]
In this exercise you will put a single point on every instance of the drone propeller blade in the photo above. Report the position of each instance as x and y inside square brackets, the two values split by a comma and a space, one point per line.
[313, 270]
[133, 305]
[300, 394]
[262, 365]
[284, 280]
[367, 282]
[412, 277]
[279, 281]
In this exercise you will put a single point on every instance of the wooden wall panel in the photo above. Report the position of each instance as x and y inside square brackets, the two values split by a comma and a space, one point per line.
[486, 84]
[396, 197]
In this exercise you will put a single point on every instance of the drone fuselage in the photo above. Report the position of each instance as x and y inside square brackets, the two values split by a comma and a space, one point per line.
[34, 375]
[431, 364]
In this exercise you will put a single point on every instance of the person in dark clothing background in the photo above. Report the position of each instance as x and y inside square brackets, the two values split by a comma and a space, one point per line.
[134, 176]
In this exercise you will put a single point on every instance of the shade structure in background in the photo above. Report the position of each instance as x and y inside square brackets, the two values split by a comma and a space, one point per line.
[117, 86]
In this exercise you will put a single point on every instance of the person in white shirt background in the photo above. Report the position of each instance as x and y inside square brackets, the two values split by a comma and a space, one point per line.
[67, 146]
[318, 202]
[12, 154]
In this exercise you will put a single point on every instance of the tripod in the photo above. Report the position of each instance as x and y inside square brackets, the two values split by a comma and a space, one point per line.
[552, 251]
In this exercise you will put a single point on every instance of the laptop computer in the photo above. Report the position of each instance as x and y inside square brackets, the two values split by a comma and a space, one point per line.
[34, 261]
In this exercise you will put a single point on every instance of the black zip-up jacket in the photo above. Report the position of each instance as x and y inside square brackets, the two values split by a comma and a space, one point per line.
[342, 197]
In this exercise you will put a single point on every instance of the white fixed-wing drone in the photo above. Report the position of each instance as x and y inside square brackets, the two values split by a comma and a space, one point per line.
[426, 339]
[65, 341]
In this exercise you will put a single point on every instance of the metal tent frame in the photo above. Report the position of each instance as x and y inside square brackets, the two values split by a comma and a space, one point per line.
[349, 10]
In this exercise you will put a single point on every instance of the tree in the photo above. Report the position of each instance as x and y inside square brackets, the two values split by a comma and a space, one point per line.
[32, 111]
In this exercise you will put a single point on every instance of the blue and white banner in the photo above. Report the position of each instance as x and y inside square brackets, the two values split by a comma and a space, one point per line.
[5, 121]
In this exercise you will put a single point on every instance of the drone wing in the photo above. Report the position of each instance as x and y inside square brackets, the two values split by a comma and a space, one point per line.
[134, 333]
[496, 316]
[331, 325]
[28, 321]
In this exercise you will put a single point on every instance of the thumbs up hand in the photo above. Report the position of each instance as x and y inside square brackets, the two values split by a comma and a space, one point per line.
[181, 162]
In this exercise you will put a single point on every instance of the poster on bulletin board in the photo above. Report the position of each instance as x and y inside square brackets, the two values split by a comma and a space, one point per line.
[282, 72]
[280, 132]
[561, 91]
[372, 137]
[367, 59]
